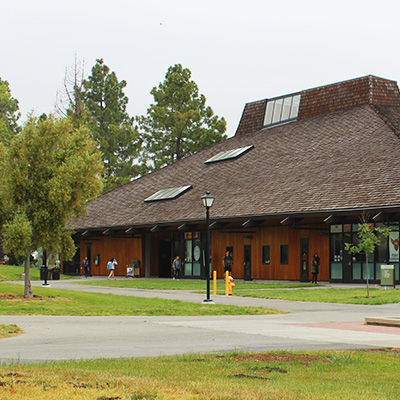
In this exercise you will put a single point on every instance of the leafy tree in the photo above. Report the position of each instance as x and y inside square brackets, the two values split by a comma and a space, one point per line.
[9, 113]
[368, 239]
[179, 123]
[51, 170]
[110, 125]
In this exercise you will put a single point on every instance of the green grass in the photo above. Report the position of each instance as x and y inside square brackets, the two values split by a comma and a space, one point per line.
[9, 330]
[331, 295]
[48, 301]
[15, 273]
[187, 284]
[328, 375]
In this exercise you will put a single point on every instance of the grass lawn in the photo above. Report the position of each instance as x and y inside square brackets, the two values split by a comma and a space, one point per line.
[16, 273]
[188, 284]
[328, 295]
[48, 301]
[327, 375]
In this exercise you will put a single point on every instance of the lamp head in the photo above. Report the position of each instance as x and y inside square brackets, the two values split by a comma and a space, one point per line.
[208, 200]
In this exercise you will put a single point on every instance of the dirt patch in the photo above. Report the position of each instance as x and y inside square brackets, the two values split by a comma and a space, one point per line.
[389, 350]
[279, 357]
[20, 297]
[251, 377]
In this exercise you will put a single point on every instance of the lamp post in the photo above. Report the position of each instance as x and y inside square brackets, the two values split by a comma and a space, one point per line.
[208, 201]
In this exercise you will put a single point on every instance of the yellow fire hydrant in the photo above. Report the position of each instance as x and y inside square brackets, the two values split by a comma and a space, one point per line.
[229, 285]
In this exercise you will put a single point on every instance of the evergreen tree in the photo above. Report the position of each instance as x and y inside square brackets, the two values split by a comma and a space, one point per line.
[179, 123]
[110, 125]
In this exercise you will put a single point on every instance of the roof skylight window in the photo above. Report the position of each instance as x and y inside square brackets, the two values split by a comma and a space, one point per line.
[229, 154]
[168, 194]
[282, 109]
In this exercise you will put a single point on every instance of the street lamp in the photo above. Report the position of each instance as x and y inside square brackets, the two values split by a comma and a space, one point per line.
[208, 201]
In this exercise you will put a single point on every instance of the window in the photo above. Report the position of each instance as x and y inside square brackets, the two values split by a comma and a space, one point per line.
[168, 194]
[229, 154]
[282, 109]
[266, 255]
[284, 254]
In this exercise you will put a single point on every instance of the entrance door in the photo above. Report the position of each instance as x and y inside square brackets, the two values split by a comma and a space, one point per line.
[347, 262]
[164, 259]
[304, 265]
[247, 262]
[89, 257]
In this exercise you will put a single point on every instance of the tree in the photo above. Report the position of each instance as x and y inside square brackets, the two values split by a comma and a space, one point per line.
[9, 113]
[368, 239]
[178, 124]
[69, 101]
[110, 125]
[51, 170]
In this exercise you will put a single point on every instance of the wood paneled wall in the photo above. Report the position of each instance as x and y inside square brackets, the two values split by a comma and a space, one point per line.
[274, 237]
[123, 249]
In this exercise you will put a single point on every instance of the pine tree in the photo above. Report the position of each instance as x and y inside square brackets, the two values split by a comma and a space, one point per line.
[179, 123]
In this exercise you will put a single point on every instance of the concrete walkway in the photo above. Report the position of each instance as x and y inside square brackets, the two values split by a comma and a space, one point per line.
[307, 326]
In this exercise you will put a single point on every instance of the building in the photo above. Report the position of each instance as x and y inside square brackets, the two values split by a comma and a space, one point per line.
[294, 180]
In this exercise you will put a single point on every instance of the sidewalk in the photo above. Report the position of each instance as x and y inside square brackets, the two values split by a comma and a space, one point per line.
[306, 326]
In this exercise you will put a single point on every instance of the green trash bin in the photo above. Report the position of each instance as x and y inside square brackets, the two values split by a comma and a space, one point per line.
[387, 276]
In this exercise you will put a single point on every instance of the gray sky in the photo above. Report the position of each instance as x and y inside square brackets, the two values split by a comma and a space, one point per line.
[238, 51]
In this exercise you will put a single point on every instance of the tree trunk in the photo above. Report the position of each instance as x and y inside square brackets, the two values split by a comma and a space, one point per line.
[28, 287]
[366, 264]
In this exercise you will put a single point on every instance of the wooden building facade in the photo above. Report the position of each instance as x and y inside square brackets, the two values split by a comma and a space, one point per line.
[294, 180]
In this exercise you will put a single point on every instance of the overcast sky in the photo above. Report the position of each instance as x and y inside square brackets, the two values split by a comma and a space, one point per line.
[238, 51]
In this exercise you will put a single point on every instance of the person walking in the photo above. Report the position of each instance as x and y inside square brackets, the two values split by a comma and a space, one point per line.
[111, 267]
[315, 267]
[176, 266]
[85, 266]
[227, 263]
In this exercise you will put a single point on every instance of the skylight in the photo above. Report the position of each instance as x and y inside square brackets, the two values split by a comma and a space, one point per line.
[282, 109]
[168, 194]
[229, 155]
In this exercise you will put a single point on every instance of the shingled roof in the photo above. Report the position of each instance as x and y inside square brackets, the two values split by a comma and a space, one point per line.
[340, 156]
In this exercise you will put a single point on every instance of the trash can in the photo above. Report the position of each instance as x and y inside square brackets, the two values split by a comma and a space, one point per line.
[43, 273]
[136, 268]
[56, 274]
[387, 276]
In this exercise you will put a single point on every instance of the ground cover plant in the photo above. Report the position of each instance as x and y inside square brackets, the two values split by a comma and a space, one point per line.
[328, 375]
[328, 295]
[48, 301]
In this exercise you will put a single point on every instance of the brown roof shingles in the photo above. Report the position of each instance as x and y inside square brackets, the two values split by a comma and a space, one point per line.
[343, 160]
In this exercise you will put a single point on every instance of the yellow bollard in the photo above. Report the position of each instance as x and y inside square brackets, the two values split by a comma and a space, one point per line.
[215, 282]
[229, 285]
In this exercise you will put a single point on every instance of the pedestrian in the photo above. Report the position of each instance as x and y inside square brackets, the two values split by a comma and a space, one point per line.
[111, 267]
[85, 266]
[315, 268]
[227, 263]
[176, 266]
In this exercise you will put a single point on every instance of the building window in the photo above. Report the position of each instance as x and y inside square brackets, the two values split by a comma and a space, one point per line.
[284, 254]
[282, 109]
[266, 255]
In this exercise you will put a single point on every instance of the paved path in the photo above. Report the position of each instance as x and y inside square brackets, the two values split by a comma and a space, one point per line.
[306, 326]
